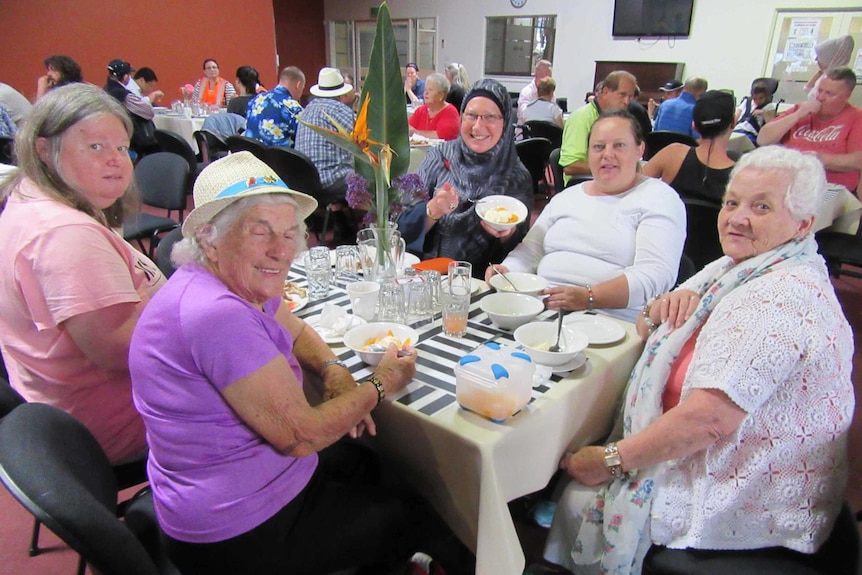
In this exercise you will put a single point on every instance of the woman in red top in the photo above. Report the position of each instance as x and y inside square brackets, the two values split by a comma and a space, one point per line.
[436, 118]
[212, 89]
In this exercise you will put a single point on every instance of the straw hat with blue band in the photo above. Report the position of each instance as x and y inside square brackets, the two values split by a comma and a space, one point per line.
[233, 178]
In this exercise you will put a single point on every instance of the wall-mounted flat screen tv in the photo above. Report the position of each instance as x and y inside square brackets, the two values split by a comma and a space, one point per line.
[638, 18]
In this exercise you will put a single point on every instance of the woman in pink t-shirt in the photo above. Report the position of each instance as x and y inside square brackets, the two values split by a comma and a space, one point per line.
[72, 287]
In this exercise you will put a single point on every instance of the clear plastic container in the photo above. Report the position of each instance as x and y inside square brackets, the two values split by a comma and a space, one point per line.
[494, 381]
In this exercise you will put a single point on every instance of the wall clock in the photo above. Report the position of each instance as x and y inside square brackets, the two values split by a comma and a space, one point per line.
[518, 3]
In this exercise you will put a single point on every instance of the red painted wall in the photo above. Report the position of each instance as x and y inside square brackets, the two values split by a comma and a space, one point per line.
[172, 37]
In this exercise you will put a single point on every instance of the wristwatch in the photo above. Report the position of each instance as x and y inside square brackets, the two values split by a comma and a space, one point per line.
[613, 461]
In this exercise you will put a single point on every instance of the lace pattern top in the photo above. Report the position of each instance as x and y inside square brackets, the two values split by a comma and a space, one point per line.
[780, 478]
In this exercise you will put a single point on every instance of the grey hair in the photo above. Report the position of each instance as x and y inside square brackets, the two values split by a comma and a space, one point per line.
[807, 177]
[439, 82]
[190, 249]
[50, 119]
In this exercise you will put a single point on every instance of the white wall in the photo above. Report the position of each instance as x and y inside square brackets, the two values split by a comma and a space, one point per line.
[728, 42]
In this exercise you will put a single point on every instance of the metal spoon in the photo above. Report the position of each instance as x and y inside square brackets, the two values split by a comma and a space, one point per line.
[505, 277]
[556, 347]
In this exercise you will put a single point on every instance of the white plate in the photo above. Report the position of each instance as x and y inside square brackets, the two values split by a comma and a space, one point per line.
[327, 335]
[576, 362]
[410, 259]
[476, 285]
[599, 330]
[295, 302]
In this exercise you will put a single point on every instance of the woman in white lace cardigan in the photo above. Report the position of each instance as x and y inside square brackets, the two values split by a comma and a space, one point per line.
[732, 448]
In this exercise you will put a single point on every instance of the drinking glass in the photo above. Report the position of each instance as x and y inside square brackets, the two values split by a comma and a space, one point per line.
[318, 270]
[456, 306]
[391, 303]
[363, 298]
[417, 300]
[347, 263]
[460, 274]
[432, 279]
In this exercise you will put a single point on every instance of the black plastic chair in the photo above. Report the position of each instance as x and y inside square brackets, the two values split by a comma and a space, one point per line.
[556, 170]
[163, 253]
[162, 178]
[534, 154]
[237, 143]
[701, 241]
[299, 172]
[175, 144]
[686, 269]
[656, 140]
[839, 250]
[9, 398]
[54, 467]
[539, 129]
[7, 150]
[211, 145]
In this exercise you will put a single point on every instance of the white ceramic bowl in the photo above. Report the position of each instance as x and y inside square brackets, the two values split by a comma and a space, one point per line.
[490, 203]
[510, 310]
[529, 284]
[359, 336]
[536, 337]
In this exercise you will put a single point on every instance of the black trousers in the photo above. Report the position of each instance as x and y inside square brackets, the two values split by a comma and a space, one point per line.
[343, 518]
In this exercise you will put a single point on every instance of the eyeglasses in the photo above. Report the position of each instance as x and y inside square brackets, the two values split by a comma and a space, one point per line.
[487, 118]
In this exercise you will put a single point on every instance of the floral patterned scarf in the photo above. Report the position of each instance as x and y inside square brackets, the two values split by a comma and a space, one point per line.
[615, 528]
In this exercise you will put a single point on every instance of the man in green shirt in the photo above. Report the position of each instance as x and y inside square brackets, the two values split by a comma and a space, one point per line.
[616, 90]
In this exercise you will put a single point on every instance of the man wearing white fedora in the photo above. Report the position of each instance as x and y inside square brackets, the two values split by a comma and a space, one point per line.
[334, 164]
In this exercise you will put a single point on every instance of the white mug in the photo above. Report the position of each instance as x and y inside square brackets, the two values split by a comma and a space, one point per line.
[363, 298]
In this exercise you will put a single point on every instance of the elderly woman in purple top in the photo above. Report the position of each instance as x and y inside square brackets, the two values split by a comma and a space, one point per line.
[240, 464]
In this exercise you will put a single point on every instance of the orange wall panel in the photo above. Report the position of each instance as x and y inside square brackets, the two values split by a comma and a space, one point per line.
[173, 38]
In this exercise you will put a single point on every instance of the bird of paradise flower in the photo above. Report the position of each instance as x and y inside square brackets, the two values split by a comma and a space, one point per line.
[359, 143]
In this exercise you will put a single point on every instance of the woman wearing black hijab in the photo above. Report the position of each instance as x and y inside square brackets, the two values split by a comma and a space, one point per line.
[481, 162]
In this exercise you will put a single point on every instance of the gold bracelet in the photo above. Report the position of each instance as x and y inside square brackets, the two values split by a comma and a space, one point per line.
[375, 381]
[428, 211]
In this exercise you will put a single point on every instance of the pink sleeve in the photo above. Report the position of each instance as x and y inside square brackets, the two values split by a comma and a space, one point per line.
[70, 270]
[448, 125]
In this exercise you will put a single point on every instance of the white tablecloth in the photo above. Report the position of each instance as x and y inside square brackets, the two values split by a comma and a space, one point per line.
[185, 127]
[468, 467]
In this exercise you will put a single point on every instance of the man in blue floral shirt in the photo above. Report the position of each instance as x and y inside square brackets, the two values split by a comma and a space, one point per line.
[333, 163]
[271, 116]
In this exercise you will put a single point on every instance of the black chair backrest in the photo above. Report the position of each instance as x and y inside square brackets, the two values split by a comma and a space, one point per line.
[211, 145]
[539, 129]
[557, 170]
[658, 139]
[534, 153]
[701, 242]
[295, 168]
[163, 251]
[237, 143]
[55, 468]
[175, 144]
[162, 178]
[7, 150]
[686, 269]
[9, 398]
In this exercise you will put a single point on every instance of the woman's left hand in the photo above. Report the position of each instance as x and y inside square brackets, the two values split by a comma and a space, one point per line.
[566, 298]
[501, 234]
[676, 307]
[337, 382]
[587, 465]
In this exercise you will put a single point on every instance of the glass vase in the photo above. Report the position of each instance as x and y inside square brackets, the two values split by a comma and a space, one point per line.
[381, 252]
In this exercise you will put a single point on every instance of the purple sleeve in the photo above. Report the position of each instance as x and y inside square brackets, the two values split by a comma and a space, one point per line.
[232, 342]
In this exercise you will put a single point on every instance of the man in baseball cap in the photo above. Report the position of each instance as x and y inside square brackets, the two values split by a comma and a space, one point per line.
[140, 110]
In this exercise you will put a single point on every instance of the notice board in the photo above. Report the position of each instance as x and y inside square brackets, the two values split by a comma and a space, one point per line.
[791, 58]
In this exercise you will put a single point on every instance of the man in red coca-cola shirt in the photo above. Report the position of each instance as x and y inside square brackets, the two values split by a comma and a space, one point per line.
[826, 126]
